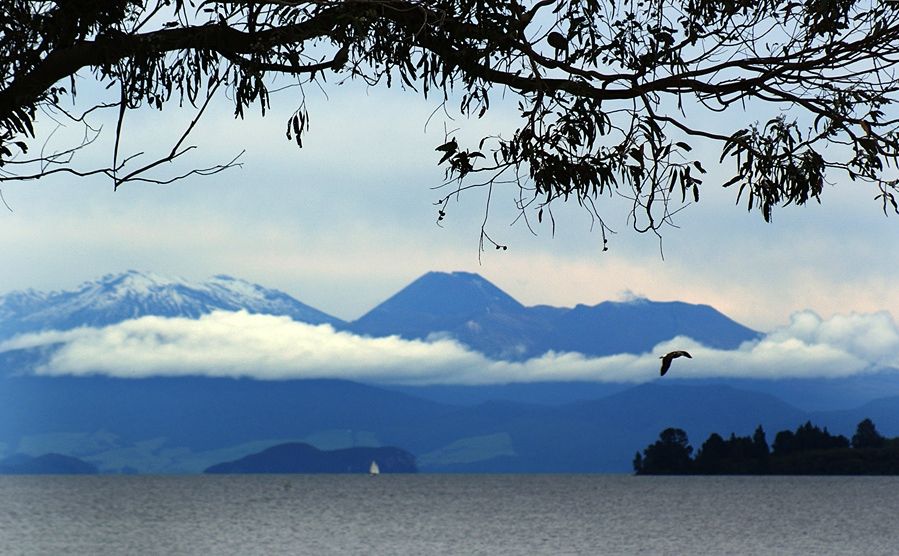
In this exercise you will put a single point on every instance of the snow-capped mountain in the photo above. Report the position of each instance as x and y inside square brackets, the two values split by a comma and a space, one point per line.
[460, 305]
[117, 297]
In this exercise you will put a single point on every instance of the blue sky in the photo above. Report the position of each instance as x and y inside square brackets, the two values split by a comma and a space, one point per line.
[346, 221]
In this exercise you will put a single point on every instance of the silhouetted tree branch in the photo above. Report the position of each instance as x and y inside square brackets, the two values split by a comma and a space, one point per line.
[613, 96]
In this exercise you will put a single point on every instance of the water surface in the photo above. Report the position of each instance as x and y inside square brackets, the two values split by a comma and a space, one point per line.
[448, 514]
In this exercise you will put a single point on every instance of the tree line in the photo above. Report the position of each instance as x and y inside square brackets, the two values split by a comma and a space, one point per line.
[809, 450]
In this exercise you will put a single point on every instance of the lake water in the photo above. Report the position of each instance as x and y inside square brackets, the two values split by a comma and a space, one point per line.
[448, 514]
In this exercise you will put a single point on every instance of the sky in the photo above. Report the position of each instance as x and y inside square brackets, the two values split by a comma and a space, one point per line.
[349, 219]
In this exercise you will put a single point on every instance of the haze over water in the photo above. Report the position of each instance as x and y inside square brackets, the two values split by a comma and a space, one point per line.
[448, 514]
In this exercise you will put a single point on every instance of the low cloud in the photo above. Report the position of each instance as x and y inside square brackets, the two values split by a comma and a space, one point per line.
[239, 344]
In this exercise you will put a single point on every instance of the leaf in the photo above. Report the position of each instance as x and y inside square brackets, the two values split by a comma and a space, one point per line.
[732, 181]
[448, 147]
[684, 146]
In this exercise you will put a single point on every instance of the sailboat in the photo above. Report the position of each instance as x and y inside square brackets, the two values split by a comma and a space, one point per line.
[373, 469]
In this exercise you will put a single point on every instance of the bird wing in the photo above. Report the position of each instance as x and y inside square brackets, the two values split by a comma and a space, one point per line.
[666, 363]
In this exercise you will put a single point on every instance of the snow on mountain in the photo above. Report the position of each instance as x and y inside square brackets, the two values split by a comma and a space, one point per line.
[117, 297]
[458, 305]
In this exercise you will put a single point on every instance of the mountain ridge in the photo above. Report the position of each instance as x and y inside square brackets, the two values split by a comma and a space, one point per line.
[462, 305]
[113, 298]
[494, 323]
[179, 425]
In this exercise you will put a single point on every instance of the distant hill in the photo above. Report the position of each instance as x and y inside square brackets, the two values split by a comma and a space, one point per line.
[817, 393]
[883, 411]
[811, 394]
[645, 410]
[298, 457]
[540, 393]
[479, 314]
[117, 297]
[199, 413]
[596, 436]
[47, 464]
[185, 425]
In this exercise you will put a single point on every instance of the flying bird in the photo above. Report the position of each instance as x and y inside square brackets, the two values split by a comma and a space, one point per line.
[666, 359]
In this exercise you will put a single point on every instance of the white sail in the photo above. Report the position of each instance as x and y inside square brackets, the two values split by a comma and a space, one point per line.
[373, 469]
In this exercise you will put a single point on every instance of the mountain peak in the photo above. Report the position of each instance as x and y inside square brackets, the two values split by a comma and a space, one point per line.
[133, 281]
[473, 290]
[131, 294]
[437, 302]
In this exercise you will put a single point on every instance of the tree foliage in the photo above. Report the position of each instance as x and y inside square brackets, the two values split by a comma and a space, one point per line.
[866, 436]
[612, 95]
[669, 455]
[808, 450]
[807, 437]
[737, 455]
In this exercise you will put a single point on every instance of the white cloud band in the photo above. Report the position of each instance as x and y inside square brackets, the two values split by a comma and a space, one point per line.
[236, 344]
